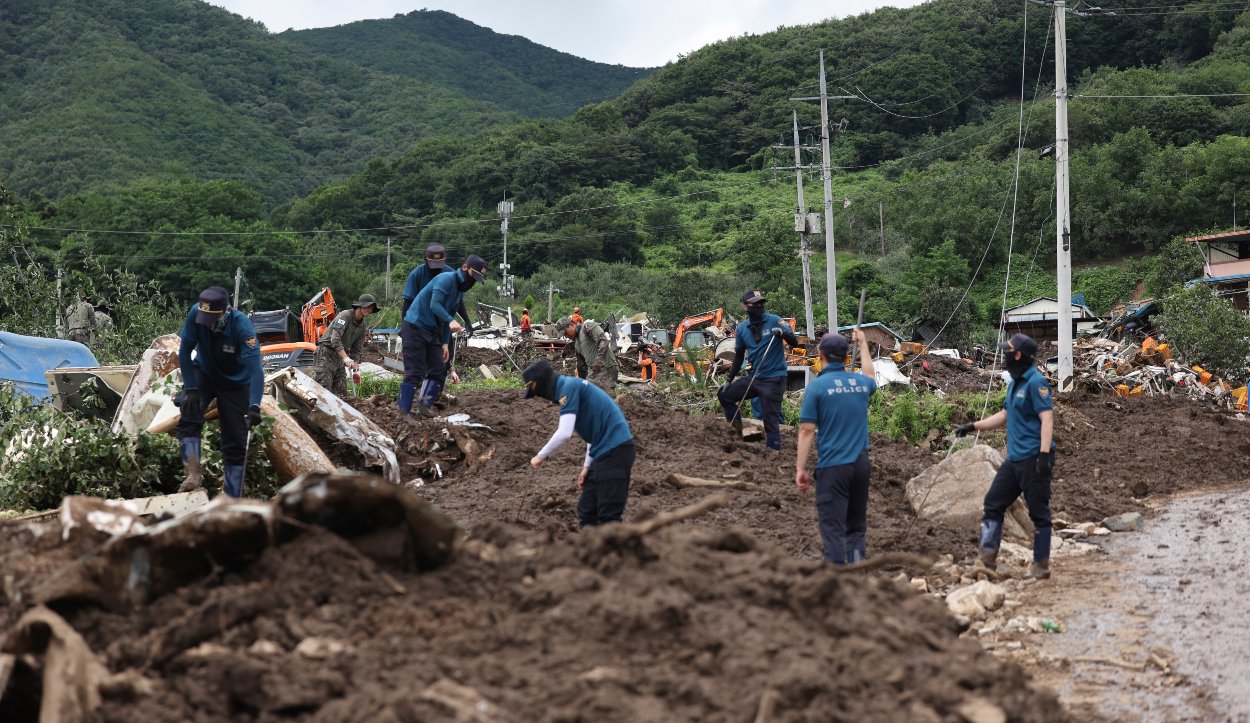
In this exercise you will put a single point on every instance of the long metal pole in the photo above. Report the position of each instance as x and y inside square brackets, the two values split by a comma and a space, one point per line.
[805, 249]
[1063, 227]
[831, 264]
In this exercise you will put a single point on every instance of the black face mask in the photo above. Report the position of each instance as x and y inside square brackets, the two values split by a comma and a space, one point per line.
[468, 282]
[1018, 368]
[755, 313]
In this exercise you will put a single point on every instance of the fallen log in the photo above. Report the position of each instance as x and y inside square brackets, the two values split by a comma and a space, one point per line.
[291, 450]
[680, 480]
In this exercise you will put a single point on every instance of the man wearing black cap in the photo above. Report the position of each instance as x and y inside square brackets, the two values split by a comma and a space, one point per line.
[836, 404]
[435, 264]
[340, 347]
[226, 367]
[759, 340]
[595, 354]
[1028, 412]
[428, 327]
[609, 461]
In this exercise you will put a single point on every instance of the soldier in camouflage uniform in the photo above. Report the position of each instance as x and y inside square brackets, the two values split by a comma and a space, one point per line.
[81, 321]
[594, 350]
[341, 345]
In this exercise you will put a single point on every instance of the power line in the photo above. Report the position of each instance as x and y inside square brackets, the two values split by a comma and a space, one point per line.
[1174, 95]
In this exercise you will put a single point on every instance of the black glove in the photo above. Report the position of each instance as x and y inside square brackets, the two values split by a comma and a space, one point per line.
[964, 430]
[253, 416]
[188, 399]
[1045, 464]
[775, 331]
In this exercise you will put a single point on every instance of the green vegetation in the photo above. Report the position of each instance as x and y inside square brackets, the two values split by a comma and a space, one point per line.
[507, 70]
[1206, 329]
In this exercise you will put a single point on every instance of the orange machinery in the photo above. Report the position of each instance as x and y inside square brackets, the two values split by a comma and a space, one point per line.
[277, 350]
[691, 343]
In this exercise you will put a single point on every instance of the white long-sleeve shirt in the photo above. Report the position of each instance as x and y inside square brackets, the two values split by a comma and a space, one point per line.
[563, 433]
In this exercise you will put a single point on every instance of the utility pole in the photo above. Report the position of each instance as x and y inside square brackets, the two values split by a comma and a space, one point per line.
[1063, 226]
[551, 292]
[60, 306]
[801, 225]
[505, 212]
[238, 279]
[388, 269]
[831, 264]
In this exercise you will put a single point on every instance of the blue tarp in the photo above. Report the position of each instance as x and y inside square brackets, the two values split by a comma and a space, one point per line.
[24, 359]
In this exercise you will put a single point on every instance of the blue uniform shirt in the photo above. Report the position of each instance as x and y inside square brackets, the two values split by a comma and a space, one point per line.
[837, 403]
[599, 421]
[1025, 400]
[433, 308]
[230, 358]
[763, 366]
[418, 278]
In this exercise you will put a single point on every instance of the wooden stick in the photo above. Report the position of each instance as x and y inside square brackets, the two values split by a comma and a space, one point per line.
[768, 704]
[681, 480]
[904, 559]
[635, 530]
[1139, 667]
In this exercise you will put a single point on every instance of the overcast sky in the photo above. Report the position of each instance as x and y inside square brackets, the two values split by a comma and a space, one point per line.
[629, 32]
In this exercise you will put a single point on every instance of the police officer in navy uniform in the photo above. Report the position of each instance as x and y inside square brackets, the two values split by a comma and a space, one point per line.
[759, 339]
[435, 264]
[428, 327]
[227, 368]
[835, 415]
[592, 413]
[1028, 413]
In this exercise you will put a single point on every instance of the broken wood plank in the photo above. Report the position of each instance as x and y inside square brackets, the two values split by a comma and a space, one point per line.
[635, 530]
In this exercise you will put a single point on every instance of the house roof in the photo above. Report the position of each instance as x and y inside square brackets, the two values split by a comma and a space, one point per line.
[1084, 309]
[1226, 236]
[893, 333]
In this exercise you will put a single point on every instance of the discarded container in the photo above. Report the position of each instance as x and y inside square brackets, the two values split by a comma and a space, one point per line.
[25, 359]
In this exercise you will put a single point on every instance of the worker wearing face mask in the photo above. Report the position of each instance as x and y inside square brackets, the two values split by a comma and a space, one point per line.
[430, 326]
[1028, 413]
[760, 339]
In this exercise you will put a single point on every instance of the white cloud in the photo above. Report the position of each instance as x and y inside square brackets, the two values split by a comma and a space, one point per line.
[629, 32]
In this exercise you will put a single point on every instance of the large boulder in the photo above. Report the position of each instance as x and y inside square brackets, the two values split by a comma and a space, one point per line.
[953, 492]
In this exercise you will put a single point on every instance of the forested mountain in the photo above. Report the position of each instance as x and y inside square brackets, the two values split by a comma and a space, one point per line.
[664, 200]
[99, 93]
[508, 70]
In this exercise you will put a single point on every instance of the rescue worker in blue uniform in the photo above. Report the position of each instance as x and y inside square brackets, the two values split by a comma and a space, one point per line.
[1028, 412]
[592, 413]
[759, 339]
[427, 331]
[835, 416]
[435, 264]
[226, 367]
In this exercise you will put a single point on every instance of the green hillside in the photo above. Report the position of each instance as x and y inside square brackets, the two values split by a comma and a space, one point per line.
[96, 94]
[514, 73]
[664, 199]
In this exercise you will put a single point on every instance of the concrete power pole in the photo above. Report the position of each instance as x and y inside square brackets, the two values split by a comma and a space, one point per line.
[551, 292]
[1063, 226]
[388, 269]
[831, 264]
[505, 212]
[802, 226]
[60, 306]
[238, 279]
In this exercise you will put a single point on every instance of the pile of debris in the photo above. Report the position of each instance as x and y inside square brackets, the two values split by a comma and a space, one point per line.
[1130, 369]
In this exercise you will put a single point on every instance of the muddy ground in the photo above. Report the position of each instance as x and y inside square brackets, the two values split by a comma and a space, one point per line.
[534, 621]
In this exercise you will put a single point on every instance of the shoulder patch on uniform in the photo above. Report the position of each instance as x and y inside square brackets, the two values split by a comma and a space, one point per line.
[1044, 391]
[251, 342]
[340, 321]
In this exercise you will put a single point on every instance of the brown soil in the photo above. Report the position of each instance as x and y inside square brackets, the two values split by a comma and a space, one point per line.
[950, 375]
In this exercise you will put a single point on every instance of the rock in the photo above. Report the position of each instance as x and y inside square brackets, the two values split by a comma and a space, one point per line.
[990, 595]
[920, 584]
[963, 603]
[265, 647]
[1101, 532]
[1140, 489]
[1127, 522]
[1087, 527]
[1073, 533]
[320, 648]
[980, 710]
[953, 492]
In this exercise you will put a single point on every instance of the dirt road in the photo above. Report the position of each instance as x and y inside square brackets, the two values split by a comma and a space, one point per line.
[1154, 625]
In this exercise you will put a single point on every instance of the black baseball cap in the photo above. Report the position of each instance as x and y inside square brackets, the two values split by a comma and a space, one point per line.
[213, 303]
[477, 267]
[1021, 343]
[540, 380]
[834, 345]
[436, 256]
[753, 296]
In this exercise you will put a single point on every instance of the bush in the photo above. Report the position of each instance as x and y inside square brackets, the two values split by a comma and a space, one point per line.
[1206, 329]
[909, 414]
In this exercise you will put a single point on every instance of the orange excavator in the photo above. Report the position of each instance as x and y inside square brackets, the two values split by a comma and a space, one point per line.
[693, 342]
[277, 350]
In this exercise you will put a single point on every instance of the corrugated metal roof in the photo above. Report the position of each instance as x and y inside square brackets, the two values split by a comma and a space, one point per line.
[1226, 236]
